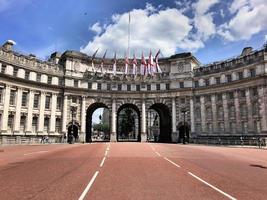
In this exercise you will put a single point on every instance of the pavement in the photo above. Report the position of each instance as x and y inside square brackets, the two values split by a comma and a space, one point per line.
[136, 171]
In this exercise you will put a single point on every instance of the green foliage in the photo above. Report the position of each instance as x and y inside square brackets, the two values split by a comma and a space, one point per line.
[101, 127]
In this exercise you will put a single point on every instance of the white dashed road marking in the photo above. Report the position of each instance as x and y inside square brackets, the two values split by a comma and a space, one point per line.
[26, 154]
[88, 186]
[172, 162]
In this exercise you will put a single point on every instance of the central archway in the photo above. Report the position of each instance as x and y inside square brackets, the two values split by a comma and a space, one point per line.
[128, 123]
[104, 135]
[165, 126]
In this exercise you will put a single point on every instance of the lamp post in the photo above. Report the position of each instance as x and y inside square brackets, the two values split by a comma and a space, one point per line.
[183, 110]
[73, 112]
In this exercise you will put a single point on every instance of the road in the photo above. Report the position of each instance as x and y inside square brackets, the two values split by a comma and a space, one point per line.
[132, 171]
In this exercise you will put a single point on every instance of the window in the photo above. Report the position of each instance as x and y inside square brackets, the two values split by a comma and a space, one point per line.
[232, 111]
[220, 112]
[197, 99]
[209, 127]
[137, 87]
[229, 78]
[24, 99]
[10, 122]
[182, 100]
[128, 87]
[22, 123]
[74, 99]
[119, 87]
[167, 86]
[240, 75]
[221, 127]
[208, 98]
[27, 75]
[34, 124]
[209, 113]
[99, 86]
[232, 127]
[46, 124]
[60, 81]
[108, 86]
[148, 87]
[219, 97]
[3, 69]
[47, 102]
[89, 85]
[181, 84]
[207, 82]
[36, 101]
[231, 95]
[58, 125]
[76, 83]
[255, 109]
[243, 93]
[196, 84]
[12, 97]
[158, 86]
[218, 80]
[198, 115]
[1, 95]
[254, 92]
[59, 103]
[15, 71]
[38, 78]
[49, 80]
[252, 72]
[243, 110]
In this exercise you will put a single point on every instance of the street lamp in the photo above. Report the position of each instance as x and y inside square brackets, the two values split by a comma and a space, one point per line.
[184, 111]
[73, 113]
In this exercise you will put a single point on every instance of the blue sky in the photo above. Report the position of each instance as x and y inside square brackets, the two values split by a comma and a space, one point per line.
[211, 29]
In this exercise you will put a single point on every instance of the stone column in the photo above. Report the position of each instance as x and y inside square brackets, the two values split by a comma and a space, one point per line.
[29, 114]
[18, 110]
[174, 130]
[41, 113]
[225, 113]
[5, 109]
[83, 120]
[214, 113]
[65, 114]
[143, 123]
[263, 111]
[113, 135]
[192, 115]
[237, 113]
[52, 127]
[249, 109]
[203, 114]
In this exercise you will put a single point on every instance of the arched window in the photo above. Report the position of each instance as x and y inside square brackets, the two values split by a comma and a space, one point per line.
[220, 112]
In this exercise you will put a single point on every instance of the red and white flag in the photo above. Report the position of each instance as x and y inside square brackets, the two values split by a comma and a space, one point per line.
[143, 67]
[134, 65]
[151, 64]
[115, 65]
[157, 62]
[126, 64]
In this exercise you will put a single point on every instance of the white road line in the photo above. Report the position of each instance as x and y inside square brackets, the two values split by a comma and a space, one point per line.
[172, 162]
[106, 153]
[88, 186]
[102, 162]
[26, 154]
[152, 147]
[157, 153]
[213, 187]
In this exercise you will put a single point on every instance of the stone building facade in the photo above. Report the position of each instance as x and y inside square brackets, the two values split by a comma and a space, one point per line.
[223, 101]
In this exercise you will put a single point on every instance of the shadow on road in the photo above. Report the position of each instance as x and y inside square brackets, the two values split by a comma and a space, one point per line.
[259, 166]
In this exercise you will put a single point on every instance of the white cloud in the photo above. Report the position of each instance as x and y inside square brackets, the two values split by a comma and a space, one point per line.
[96, 28]
[11, 4]
[249, 19]
[151, 29]
[203, 6]
[265, 38]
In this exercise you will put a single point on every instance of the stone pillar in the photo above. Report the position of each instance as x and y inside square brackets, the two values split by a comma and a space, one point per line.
[192, 116]
[18, 110]
[237, 113]
[203, 114]
[249, 113]
[29, 114]
[64, 114]
[5, 109]
[263, 111]
[174, 131]
[52, 127]
[113, 135]
[83, 120]
[214, 113]
[41, 113]
[225, 113]
[143, 123]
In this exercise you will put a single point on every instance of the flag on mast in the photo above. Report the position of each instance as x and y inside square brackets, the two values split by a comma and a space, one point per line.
[150, 64]
[102, 62]
[134, 65]
[115, 65]
[93, 57]
[126, 64]
[143, 66]
[157, 62]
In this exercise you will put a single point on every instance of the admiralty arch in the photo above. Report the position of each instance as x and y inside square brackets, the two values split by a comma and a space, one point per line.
[222, 101]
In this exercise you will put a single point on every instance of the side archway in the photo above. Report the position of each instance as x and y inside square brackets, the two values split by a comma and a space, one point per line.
[128, 123]
[89, 113]
[164, 116]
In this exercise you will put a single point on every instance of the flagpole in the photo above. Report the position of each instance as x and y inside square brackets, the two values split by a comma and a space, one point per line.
[129, 32]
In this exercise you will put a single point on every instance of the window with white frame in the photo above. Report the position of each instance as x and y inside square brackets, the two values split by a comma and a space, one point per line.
[34, 124]
[12, 97]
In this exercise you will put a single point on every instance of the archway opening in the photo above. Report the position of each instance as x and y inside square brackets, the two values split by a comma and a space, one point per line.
[159, 125]
[97, 123]
[183, 129]
[128, 123]
[73, 133]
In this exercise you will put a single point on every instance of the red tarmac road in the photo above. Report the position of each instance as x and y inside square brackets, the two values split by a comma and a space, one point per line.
[132, 171]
